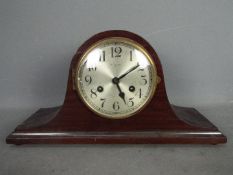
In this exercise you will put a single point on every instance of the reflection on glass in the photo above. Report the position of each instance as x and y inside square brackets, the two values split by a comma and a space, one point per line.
[93, 58]
[142, 60]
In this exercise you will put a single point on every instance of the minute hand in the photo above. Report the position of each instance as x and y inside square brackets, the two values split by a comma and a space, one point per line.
[130, 70]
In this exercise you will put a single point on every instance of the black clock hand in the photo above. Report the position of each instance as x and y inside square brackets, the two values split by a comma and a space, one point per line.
[130, 70]
[121, 94]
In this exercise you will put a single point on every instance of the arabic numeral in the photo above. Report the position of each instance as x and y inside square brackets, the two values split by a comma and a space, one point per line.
[116, 106]
[139, 93]
[131, 55]
[144, 79]
[116, 52]
[92, 69]
[102, 57]
[131, 103]
[88, 79]
[93, 93]
[103, 102]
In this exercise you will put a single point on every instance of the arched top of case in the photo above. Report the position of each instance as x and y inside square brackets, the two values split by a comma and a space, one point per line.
[160, 94]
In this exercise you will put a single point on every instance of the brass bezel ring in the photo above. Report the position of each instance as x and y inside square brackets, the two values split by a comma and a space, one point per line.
[128, 41]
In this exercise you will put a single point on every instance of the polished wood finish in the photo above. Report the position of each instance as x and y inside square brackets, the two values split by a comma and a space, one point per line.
[25, 135]
[158, 122]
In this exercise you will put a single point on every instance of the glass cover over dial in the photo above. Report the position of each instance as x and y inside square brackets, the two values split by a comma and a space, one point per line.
[116, 78]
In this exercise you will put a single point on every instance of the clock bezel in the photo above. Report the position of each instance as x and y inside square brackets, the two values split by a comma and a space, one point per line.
[155, 78]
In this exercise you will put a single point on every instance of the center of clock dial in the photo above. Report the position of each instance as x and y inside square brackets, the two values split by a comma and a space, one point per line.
[115, 80]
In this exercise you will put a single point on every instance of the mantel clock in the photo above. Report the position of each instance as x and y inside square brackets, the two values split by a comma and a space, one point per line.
[116, 94]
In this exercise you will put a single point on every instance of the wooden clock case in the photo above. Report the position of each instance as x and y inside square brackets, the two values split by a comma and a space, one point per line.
[158, 122]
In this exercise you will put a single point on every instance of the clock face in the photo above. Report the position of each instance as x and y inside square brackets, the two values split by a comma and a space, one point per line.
[116, 78]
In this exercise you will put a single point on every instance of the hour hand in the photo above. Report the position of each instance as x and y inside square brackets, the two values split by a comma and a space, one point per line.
[121, 94]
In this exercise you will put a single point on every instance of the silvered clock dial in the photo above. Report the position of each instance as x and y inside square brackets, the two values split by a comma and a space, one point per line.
[116, 78]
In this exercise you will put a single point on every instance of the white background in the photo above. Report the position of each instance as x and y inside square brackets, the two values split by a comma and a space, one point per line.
[194, 40]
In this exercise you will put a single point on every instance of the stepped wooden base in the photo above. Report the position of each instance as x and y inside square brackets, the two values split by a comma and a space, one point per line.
[35, 131]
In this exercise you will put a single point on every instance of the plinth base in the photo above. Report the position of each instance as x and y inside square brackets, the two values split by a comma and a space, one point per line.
[31, 132]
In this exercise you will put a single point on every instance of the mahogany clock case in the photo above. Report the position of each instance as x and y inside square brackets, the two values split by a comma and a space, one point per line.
[158, 122]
